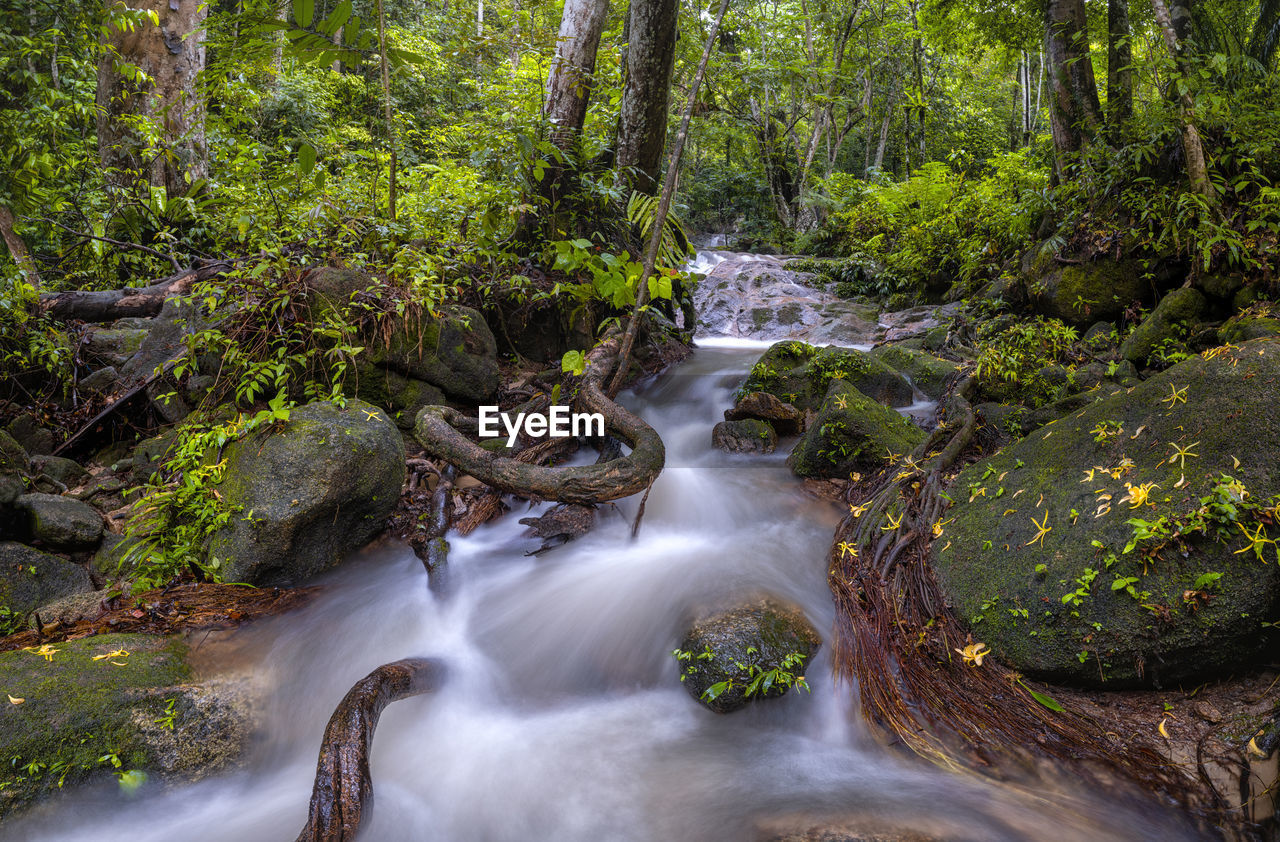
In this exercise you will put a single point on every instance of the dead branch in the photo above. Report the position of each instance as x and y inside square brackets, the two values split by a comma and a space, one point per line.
[343, 793]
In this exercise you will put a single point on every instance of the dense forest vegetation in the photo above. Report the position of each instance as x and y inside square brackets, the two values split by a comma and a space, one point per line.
[226, 220]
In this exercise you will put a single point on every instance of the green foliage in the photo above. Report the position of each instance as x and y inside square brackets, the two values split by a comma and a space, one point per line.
[1011, 361]
[752, 677]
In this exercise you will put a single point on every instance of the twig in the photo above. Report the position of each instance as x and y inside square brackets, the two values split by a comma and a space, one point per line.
[177, 267]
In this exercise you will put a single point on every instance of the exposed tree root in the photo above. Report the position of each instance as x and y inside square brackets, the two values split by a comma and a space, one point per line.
[896, 638]
[438, 428]
[343, 793]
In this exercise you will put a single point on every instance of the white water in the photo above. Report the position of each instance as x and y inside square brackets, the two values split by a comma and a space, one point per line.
[562, 717]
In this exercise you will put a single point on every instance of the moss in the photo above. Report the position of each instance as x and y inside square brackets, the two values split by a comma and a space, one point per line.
[987, 558]
[1081, 295]
[851, 433]
[78, 710]
[12, 455]
[800, 375]
[1170, 319]
[927, 372]
[1245, 327]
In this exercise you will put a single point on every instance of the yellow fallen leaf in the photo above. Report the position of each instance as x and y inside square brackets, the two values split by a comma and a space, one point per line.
[119, 653]
[1164, 732]
[14, 701]
[974, 653]
[46, 651]
[1254, 749]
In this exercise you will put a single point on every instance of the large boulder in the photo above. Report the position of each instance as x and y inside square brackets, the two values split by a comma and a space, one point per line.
[1170, 321]
[63, 523]
[454, 350]
[307, 494]
[731, 648]
[800, 375]
[30, 579]
[1081, 294]
[129, 712]
[1128, 543]
[399, 396]
[926, 372]
[851, 433]
[13, 457]
[113, 346]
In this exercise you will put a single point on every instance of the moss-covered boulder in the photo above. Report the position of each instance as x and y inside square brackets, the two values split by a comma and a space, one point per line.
[1169, 322]
[1114, 544]
[399, 396]
[748, 435]
[13, 457]
[113, 346]
[851, 433]
[63, 523]
[331, 289]
[1083, 294]
[722, 654]
[128, 711]
[800, 375]
[307, 494]
[1248, 326]
[30, 579]
[927, 372]
[454, 350]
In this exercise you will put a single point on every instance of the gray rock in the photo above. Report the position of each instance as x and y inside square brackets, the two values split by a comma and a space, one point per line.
[748, 435]
[1082, 294]
[744, 641]
[400, 397]
[64, 523]
[455, 351]
[27, 432]
[101, 382]
[13, 457]
[800, 374]
[65, 471]
[30, 579]
[113, 346]
[1169, 321]
[851, 433]
[308, 493]
[928, 373]
[783, 417]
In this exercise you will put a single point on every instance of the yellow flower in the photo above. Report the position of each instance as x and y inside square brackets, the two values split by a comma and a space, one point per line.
[1139, 494]
[1042, 529]
[974, 653]
[46, 651]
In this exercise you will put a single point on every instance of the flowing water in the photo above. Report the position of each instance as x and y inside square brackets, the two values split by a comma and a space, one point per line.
[562, 717]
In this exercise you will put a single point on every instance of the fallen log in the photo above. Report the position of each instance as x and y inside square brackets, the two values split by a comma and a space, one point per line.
[342, 796]
[110, 304]
[437, 429]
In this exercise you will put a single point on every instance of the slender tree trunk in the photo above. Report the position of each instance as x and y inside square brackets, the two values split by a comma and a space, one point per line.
[386, 104]
[917, 54]
[1173, 27]
[570, 82]
[171, 55]
[17, 248]
[1074, 112]
[884, 132]
[650, 58]
[515, 37]
[1119, 63]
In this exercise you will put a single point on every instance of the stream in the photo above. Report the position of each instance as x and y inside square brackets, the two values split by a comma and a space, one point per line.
[562, 717]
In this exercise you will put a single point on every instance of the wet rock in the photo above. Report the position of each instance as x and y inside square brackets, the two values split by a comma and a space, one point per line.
[134, 706]
[800, 375]
[927, 372]
[63, 523]
[30, 579]
[760, 636]
[1170, 321]
[1075, 620]
[851, 433]
[308, 493]
[748, 435]
[454, 351]
[757, 297]
[561, 524]
[783, 417]
[1244, 327]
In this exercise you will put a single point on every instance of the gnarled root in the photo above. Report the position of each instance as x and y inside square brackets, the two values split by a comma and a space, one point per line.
[343, 792]
[437, 429]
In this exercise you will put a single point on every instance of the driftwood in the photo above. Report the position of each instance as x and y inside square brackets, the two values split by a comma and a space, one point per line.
[437, 429]
[343, 793]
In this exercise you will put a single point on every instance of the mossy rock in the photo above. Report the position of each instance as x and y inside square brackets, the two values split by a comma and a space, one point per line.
[330, 289]
[927, 372]
[78, 713]
[763, 633]
[454, 350]
[400, 397]
[989, 557]
[13, 457]
[782, 417]
[1083, 294]
[1243, 328]
[114, 346]
[1170, 321]
[308, 493]
[851, 433]
[29, 579]
[800, 375]
[63, 523]
[748, 435]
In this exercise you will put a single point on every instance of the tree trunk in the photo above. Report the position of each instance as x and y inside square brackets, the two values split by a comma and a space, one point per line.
[171, 55]
[569, 85]
[17, 248]
[386, 104]
[651, 56]
[1074, 112]
[1173, 27]
[1119, 63]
